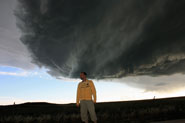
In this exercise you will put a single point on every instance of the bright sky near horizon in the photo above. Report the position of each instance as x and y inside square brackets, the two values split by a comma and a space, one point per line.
[21, 81]
[21, 86]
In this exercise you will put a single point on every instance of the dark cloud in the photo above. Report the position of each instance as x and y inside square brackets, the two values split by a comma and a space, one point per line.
[105, 38]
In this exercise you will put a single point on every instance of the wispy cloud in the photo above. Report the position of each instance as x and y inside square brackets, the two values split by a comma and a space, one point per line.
[14, 73]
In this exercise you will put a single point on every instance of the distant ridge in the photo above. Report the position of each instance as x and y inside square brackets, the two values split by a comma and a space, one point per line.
[47, 103]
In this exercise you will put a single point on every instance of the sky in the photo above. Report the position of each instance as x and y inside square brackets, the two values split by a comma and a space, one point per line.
[130, 49]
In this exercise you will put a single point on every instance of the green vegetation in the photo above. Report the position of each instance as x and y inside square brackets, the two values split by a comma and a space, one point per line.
[142, 111]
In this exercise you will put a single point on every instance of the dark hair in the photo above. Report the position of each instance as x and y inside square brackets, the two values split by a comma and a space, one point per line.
[84, 73]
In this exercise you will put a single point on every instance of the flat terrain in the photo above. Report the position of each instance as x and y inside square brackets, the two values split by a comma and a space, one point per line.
[172, 121]
[140, 111]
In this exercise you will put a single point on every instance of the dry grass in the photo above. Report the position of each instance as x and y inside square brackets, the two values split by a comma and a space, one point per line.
[116, 112]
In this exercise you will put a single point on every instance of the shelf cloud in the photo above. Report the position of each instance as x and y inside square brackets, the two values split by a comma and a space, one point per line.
[105, 38]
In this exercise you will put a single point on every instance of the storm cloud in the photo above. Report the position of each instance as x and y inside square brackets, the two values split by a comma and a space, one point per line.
[105, 38]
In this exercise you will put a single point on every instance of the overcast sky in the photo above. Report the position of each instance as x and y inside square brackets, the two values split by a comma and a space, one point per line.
[125, 45]
[12, 51]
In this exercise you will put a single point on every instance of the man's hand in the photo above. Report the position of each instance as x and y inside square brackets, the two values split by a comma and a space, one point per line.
[77, 104]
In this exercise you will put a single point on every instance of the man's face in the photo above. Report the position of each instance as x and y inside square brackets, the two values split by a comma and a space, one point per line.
[82, 76]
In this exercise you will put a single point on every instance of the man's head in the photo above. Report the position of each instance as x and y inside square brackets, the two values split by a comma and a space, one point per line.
[83, 75]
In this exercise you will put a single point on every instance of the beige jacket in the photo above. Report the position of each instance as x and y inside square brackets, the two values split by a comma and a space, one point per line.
[85, 91]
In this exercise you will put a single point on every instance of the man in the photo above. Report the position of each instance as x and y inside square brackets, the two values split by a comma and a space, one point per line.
[85, 92]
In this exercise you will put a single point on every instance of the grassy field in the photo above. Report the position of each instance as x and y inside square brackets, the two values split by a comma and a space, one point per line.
[142, 111]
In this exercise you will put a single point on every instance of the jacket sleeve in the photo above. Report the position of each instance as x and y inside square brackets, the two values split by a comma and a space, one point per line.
[78, 94]
[93, 89]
